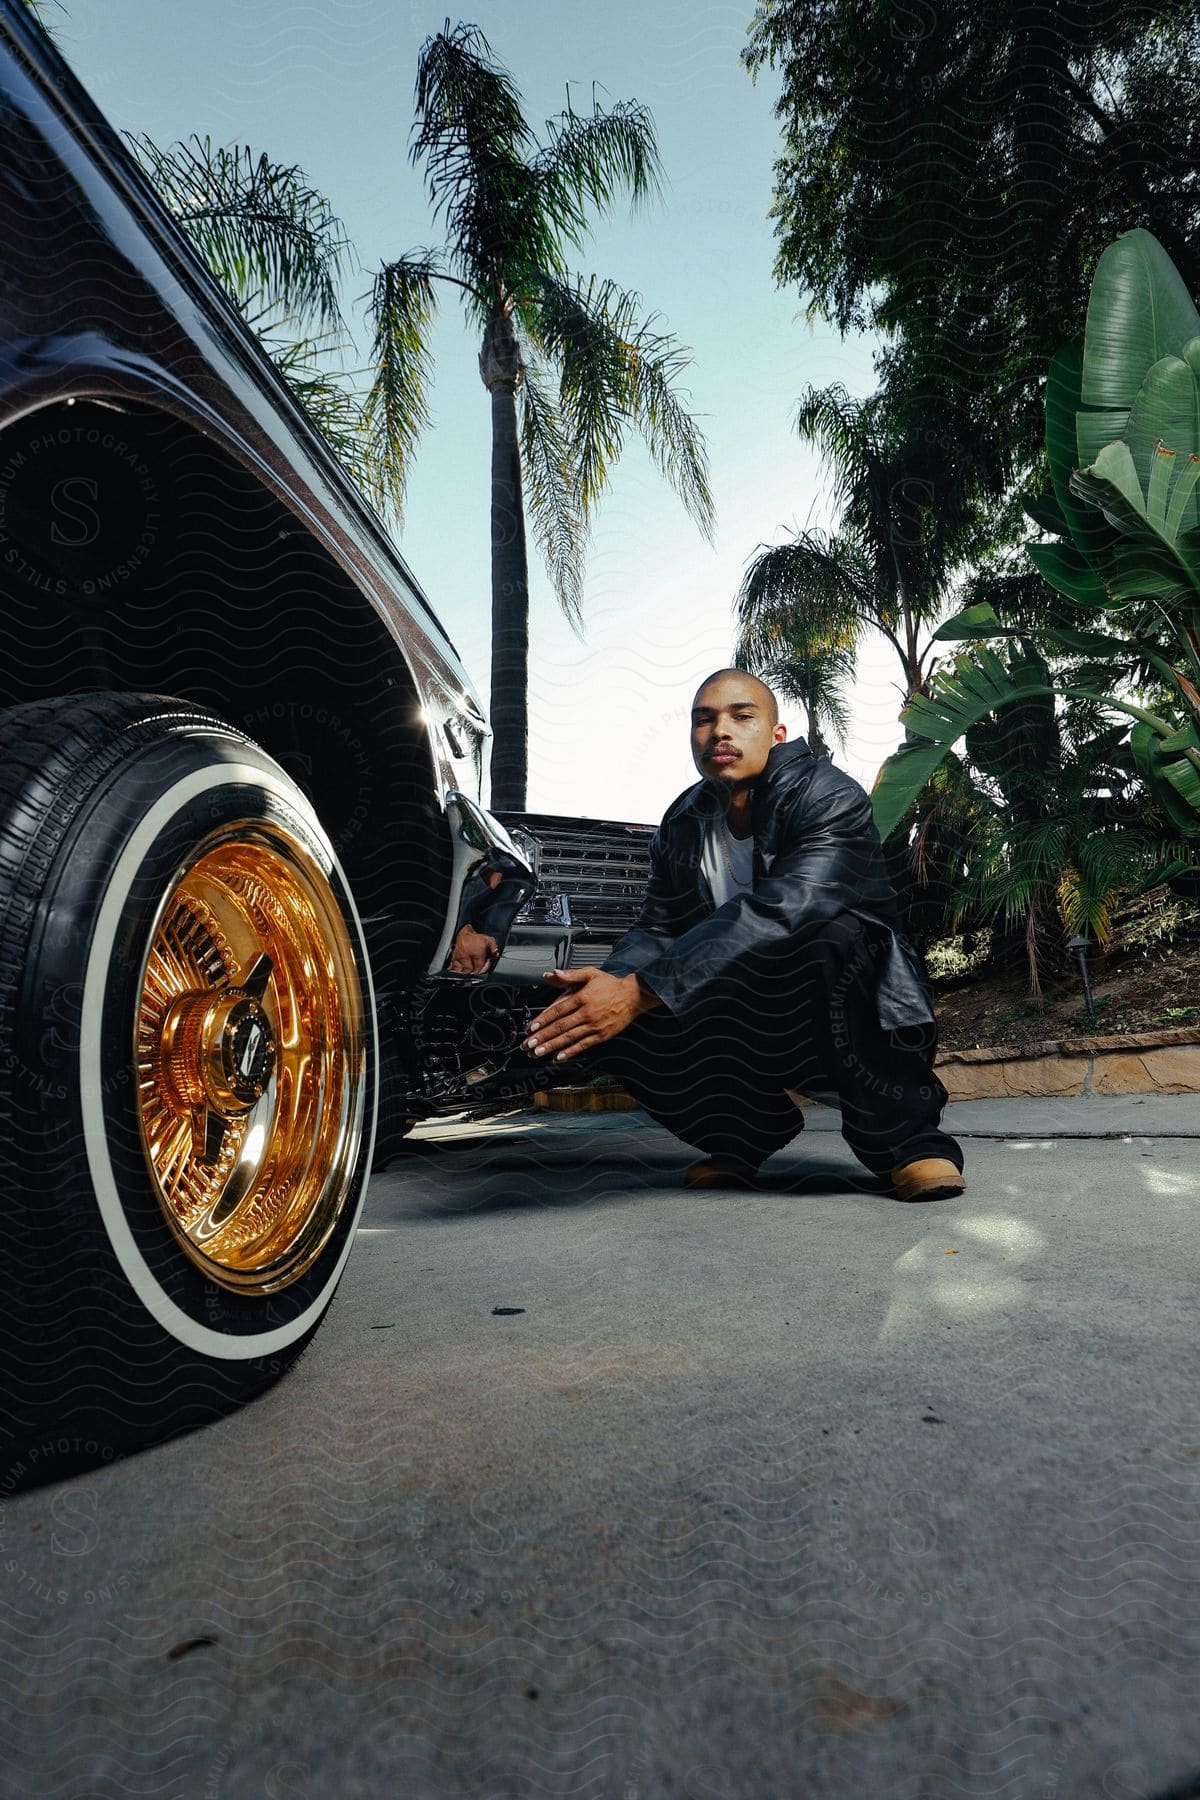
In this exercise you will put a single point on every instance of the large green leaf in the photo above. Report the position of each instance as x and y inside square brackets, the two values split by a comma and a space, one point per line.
[1166, 413]
[1066, 569]
[1184, 777]
[977, 621]
[1139, 311]
[1094, 429]
[1063, 380]
[1062, 404]
[955, 702]
[981, 622]
[1112, 484]
[1089, 529]
[1046, 512]
[1144, 570]
[1173, 784]
[901, 779]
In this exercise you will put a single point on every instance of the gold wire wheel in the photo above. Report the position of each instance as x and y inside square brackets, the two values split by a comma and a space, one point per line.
[251, 1058]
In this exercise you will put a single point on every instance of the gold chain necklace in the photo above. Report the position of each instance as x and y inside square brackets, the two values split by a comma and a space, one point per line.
[735, 878]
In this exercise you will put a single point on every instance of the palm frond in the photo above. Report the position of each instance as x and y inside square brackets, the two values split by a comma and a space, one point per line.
[474, 140]
[1126, 857]
[893, 499]
[1085, 912]
[816, 682]
[1004, 871]
[259, 225]
[812, 593]
[653, 362]
[402, 306]
[462, 92]
[332, 405]
[1039, 847]
[1009, 894]
[618, 370]
[841, 428]
[38, 9]
[579, 330]
[590, 157]
[558, 521]
[800, 616]
[1105, 866]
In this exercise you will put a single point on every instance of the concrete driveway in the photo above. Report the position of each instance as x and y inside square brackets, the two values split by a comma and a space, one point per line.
[789, 1494]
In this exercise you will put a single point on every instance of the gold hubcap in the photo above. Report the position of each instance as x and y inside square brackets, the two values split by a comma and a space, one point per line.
[251, 1057]
[217, 1052]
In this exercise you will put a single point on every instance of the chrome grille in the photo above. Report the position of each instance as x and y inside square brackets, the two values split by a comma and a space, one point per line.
[600, 864]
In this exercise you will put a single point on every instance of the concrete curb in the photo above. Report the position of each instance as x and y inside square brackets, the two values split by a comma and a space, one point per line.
[1146, 1062]
[585, 1099]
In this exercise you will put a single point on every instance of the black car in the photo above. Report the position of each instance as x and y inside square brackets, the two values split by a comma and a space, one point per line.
[239, 819]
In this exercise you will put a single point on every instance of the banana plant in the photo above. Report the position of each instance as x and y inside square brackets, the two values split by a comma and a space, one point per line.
[1123, 447]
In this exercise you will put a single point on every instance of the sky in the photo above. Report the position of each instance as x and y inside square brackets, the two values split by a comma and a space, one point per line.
[329, 85]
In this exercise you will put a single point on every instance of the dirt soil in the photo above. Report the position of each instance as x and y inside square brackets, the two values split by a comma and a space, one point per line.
[1139, 991]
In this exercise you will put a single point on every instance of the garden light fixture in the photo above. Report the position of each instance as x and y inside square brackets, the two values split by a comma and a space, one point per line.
[1081, 945]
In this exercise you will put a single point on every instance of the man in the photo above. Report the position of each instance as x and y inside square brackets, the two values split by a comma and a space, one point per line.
[767, 962]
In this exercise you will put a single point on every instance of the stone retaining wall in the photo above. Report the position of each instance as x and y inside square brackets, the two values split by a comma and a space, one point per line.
[585, 1099]
[1148, 1062]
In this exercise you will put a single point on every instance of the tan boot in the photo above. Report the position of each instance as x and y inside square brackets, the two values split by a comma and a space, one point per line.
[721, 1172]
[929, 1178]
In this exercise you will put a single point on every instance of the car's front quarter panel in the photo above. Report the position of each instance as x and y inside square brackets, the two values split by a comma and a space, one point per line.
[171, 522]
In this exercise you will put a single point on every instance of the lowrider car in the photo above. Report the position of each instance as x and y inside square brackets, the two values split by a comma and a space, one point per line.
[240, 826]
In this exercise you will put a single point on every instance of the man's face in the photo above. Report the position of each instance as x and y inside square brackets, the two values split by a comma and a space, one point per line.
[732, 730]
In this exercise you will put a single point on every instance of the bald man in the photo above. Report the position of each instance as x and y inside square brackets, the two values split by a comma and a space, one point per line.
[768, 962]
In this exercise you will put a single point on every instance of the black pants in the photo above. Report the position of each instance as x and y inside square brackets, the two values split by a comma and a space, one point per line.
[716, 1074]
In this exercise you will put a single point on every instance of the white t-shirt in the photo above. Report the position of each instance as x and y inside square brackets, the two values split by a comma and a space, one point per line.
[728, 862]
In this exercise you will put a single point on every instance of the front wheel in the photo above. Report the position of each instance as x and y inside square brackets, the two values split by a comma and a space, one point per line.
[188, 1067]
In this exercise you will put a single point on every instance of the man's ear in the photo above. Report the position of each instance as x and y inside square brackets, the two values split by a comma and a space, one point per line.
[780, 734]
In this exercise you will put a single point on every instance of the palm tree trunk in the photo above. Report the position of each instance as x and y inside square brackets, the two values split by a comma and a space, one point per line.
[912, 662]
[902, 863]
[816, 742]
[501, 368]
[510, 611]
[1031, 951]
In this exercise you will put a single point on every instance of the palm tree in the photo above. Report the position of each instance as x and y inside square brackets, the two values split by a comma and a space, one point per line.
[1059, 834]
[276, 246]
[817, 683]
[884, 568]
[815, 597]
[908, 517]
[781, 646]
[568, 362]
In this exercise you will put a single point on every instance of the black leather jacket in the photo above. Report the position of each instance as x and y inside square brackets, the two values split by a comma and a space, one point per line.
[816, 855]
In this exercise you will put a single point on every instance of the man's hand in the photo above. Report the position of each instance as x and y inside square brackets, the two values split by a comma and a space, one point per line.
[473, 952]
[595, 1007]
